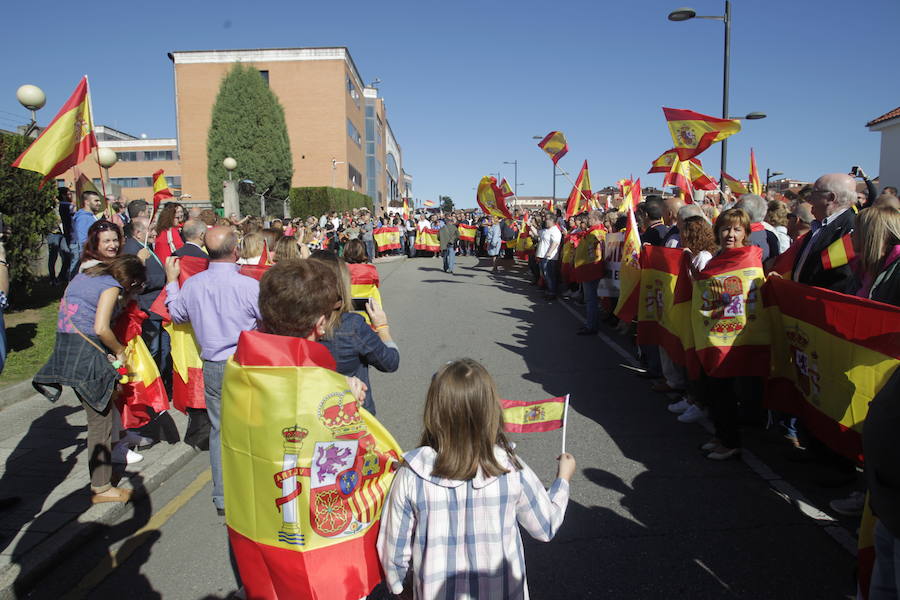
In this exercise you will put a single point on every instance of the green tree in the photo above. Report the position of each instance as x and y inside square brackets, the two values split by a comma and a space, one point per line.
[28, 212]
[446, 203]
[248, 125]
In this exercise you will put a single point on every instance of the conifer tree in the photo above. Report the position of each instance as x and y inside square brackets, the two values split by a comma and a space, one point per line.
[248, 125]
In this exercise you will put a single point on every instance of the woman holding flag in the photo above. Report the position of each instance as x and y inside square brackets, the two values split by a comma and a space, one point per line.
[168, 230]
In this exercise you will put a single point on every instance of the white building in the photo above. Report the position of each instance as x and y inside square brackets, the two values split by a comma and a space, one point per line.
[889, 126]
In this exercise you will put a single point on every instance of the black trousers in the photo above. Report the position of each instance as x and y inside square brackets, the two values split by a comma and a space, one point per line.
[720, 396]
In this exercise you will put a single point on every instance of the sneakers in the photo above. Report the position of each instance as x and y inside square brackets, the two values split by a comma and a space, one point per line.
[680, 407]
[723, 453]
[692, 414]
[135, 440]
[711, 445]
[851, 506]
[124, 455]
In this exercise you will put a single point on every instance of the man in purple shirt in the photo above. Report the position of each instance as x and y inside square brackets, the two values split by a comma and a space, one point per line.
[219, 303]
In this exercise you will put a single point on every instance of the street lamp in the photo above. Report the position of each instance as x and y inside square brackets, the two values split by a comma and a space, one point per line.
[230, 165]
[770, 175]
[686, 14]
[32, 98]
[515, 164]
[555, 175]
[334, 163]
[107, 157]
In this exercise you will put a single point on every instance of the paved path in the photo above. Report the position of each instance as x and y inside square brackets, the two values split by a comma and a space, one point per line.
[649, 516]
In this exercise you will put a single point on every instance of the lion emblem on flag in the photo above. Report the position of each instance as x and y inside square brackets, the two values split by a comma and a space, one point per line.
[687, 136]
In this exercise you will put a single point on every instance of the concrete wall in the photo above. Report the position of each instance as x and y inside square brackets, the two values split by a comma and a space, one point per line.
[889, 168]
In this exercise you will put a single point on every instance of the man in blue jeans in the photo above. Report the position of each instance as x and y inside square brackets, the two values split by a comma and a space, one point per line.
[547, 253]
[219, 303]
[447, 237]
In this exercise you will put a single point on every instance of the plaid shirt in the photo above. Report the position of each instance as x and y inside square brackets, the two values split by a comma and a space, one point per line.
[461, 536]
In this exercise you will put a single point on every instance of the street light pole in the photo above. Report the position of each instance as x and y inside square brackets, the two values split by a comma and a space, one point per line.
[770, 175]
[515, 164]
[725, 75]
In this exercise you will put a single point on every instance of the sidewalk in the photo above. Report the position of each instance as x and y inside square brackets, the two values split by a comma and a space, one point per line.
[44, 462]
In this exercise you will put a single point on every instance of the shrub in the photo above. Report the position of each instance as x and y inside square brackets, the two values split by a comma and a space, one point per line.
[316, 201]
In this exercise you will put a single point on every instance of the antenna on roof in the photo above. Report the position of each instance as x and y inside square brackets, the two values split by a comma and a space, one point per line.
[375, 82]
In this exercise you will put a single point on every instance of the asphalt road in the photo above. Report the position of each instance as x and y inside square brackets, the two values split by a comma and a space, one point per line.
[649, 516]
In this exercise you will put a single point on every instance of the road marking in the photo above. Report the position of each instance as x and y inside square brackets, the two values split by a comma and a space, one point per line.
[780, 486]
[714, 576]
[135, 541]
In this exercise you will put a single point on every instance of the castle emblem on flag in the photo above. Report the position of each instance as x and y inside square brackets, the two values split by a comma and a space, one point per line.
[687, 136]
[535, 414]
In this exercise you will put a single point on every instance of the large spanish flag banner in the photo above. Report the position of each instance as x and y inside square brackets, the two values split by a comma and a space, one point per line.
[66, 141]
[664, 304]
[580, 196]
[524, 243]
[466, 232]
[387, 238]
[693, 132]
[520, 416]
[589, 255]
[143, 388]
[555, 145]
[731, 326]
[161, 191]
[427, 240]
[629, 271]
[567, 255]
[831, 354]
[490, 198]
[187, 378]
[306, 471]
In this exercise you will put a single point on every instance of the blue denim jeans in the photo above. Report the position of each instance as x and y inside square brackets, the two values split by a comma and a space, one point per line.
[411, 245]
[75, 249]
[213, 373]
[591, 304]
[449, 259]
[370, 248]
[58, 247]
[548, 270]
[886, 575]
[160, 347]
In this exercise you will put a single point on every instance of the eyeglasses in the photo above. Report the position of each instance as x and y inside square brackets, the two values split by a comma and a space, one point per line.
[818, 193]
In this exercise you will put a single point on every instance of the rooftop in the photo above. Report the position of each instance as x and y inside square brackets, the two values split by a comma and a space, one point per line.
[885, 117]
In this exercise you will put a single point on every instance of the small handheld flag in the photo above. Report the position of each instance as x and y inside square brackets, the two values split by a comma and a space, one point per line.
[161, 189]
[734, 185]
[838, 253]
[520, 416]
[429, 203]
[555, 145]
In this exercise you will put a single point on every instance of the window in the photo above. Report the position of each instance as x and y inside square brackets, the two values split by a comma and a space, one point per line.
[355, 176]
[352, 91]
[265, 76]
[127, 156]
[353, 132]
[158, 154]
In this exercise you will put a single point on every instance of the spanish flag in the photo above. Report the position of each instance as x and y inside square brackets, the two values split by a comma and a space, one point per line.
[387, 238]
[680, 177]
[187, 379]
[831, 355]
[663, 164]
[524, 243]
[838, 253]
[144, 390]
[755, 185]
[161, 191]
[505, 189]
[629, 271]
[490, 198]
[427, 240]
[737, 188]
[466, 232]
[255, 271]
[693, 132]
[429, 203]
[66, 142]
[406, 209]
[699, 179]
[364, 282]
[731, 327]
[589, 255]
[567, 255]
[580, 196]
[555, 145]
[664, 309]
[520, 416]
[631, 194]
[306, 472]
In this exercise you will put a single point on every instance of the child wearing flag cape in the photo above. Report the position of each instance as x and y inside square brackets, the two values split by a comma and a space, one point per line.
[464, 486]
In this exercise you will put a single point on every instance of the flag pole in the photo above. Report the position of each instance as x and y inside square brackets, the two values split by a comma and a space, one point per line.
[149, 224]
[87, 81]
[565, 423]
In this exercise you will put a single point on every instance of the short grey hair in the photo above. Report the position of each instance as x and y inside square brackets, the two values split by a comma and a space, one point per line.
[690, 210]
[193, 229]
[755, 207]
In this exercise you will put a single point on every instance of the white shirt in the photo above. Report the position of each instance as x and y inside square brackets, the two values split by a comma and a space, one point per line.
[547, 238]
[784, 242]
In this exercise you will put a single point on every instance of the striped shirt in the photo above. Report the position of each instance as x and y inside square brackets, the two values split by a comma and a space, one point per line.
[461, 538]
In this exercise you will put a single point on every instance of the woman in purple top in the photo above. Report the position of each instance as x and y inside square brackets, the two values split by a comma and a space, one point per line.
[83, 358]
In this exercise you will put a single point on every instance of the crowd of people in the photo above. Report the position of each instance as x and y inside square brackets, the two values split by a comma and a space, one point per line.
[111, 256]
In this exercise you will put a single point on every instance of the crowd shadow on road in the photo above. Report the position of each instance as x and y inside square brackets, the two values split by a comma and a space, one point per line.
[664, 521]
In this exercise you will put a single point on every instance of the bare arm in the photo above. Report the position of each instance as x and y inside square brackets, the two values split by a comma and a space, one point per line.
[105, 306]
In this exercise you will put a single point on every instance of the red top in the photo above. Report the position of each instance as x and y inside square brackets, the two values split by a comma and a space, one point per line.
[165, 242]
[363, 274]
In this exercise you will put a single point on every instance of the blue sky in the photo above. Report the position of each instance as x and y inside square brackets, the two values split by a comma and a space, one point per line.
[467, 84]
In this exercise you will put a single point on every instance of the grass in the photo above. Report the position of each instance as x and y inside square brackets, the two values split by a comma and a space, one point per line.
[30, 331]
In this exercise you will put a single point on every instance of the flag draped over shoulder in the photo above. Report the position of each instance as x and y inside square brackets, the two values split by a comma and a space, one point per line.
[629, 271]
[490, 198]
[66, 142]
[731, 327]
[161, 191]
[466, 232]
[520, 416]
[306, 472]
[838, 253]
[589, 255]
[387, 238]
[580, 196]
[427, 240]
[555, 145]
[693, 132]
[755, 185]
[831, 354]
[143, 390]
[664, 304]
[187, 366]
[734, 185]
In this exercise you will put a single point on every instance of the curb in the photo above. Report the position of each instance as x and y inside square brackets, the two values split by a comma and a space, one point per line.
[16, 393]
[18, 577]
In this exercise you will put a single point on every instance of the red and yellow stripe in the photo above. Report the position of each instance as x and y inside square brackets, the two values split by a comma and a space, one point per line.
[693, 132]
[520, 416]
[555, 145]
[838, 253]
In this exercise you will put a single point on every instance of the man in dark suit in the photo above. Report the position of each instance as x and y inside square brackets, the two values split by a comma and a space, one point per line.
[193, 232]
[155, 337]
[656, 230]
[832, 199]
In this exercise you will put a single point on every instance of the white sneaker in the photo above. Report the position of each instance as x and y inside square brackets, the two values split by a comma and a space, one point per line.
[124, 455]
[692, 415]
[680, 406]
[135, 440]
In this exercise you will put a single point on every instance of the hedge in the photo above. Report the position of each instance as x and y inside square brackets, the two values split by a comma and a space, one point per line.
[316, 201]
